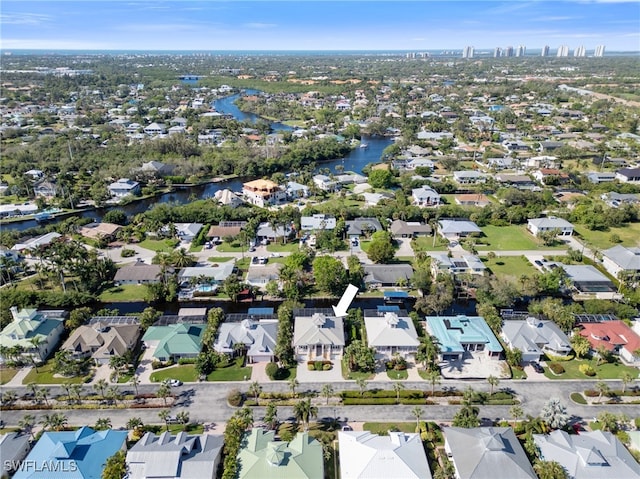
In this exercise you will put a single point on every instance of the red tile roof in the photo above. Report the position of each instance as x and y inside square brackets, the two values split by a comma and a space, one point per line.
[610, 334]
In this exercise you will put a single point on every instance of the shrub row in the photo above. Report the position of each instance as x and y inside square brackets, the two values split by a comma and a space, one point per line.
[382, 393]
[501, 402]
[557, 368]
[368, 401]
[319, 365]
[187, 360]
[265, 395]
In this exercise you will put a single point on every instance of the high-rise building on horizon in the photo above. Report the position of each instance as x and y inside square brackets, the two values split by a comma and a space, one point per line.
[508, 52]
[545, 51]
[563, 51]
[468, 52]
[580, 52]
[599, 51]
[497, 52]
[521, 50]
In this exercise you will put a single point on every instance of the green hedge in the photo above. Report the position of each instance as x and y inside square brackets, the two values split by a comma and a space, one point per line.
[557, 368]
[382, 393]
[368, 401]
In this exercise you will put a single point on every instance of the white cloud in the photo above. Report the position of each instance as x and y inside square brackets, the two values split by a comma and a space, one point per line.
[33, 19]
[258, 25]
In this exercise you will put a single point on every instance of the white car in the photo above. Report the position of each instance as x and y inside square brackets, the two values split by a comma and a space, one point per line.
[174, 382]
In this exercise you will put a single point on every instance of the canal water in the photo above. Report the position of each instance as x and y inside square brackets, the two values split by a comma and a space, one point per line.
[355, 161]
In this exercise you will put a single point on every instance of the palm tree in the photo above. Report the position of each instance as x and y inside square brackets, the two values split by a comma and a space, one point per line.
[42, 394]
[293, 384]
[255, 389]
[493, 382]
[134, 423]
[36, 341]
[362, 384]
[67, 388]
[602, 388]
[516, 413]
[164, 415]
[113, 393]
[102, 423]
[33, 387]
[135, 382]
[327, 391]
[100, 386]
[434, 378]
[26, 424]
[397, 387]
[417, 413]
[163, 392]
[271, 415]
[304, 410]
[183, 418]
[626, 378]
[181, 258]
[76, 389]
[550, 470]
[55, 421]
[9, 397]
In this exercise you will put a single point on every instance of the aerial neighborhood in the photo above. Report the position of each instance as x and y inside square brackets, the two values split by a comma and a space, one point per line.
[323, 266]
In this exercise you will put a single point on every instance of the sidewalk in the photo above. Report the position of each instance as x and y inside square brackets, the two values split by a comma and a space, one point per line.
[16, 381]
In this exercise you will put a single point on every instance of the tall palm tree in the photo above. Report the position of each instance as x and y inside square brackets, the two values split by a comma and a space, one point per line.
[36, 341]
[163, 392]
[113, 393]
[327, 391]
[135, 382]
[9, 397]
[76, 389]
[417, 413]
[164, 415]
[397, 387]
[134, 423]
[493, 382]
[101, 386]
[26, 424]
[362, 385]
[626, 378]
[271, 415]
[602, 388]
[434, 378]
[67, 388]
[516, 413]
[303, 411]
[255, 389]
[293, 384]
[42, 394]
[56, 421]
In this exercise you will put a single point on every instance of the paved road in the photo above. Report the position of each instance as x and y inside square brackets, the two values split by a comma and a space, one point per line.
[206, 402]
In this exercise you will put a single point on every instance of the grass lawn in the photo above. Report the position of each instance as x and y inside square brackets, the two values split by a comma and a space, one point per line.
[509, 238]
[45, 376]
[124, 293]
[195, 248]
[7, 374]
[425, 243]
[630, 236]
[233, 372]
[395, 375]
[165, 246]
[346, 374]
[518, 373]
[225, 247]
[290, 247]
[185, 373]
[383, 428]
[604, 371]
[219, 259]
[509, 266]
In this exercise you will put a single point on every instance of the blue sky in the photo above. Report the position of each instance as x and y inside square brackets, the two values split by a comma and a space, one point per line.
[318, 25]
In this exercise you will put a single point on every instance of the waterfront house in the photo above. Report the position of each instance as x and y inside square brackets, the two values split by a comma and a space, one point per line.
[216, 274]
[45, 188]
[124, 187]
[463, 264]
[225, 229]
[325, 183]
[398, 455]
[79, 454]
[391, 333]
[318, 335]
[256, 337]
[263, 193]
[183, 456]
[590, 454]
[102, 341]
[34, 244]
[262, 457]
[551, 223]
[534, 337]
[316, 222]
[100, 231]
[36, 332]
[228, 198]
[380, 275]
[460, 335]
[174, 341]
[486, 452]
[138, 273]
[296, 190]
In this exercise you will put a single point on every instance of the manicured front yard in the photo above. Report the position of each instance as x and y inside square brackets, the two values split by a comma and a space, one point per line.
[235, 247]
[233, 372]
[509, 266]
[7, 374]
[425, 243]
[604, 371]
[509, 238]
[124, 293]
[290, 247]
[164, 246]
[630, 236]
[383, 428]
[45, 375]
[219, 259]
[346, 374]
[394, 375]
[185, 373]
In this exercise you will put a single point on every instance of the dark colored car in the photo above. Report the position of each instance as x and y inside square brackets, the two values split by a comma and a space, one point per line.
[537, 368]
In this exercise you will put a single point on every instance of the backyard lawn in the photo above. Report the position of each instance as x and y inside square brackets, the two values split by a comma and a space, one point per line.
[508, 238]
[7, 374]
[45, 375]
[604, 371]
[124, 293]
[630, 236]
[164, 246]
[509, 266]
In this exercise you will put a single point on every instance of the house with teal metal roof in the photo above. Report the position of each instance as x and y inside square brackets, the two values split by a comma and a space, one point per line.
[262, 457]
[37, 333]
[458, 335]
[79, 454]
[175, 341]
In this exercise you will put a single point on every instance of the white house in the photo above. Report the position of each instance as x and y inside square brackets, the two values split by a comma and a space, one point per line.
[317, 222]
[258, 337]
[425, 196]
[628, 175]
[540, 225]
[469, 177]
[124, 187]
[36, 332]
[263, 193]
[622, 259]
[464, 264]
[318, 336]
[454, 229]
[389, 334]
[534, 337]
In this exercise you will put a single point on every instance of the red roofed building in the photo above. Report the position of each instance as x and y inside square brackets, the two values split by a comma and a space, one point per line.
[615, 336]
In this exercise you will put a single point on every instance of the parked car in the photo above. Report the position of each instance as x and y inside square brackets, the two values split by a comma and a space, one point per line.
[347, 428]
[254, 260]
[172, 420]
[537, 368]
[174, 382]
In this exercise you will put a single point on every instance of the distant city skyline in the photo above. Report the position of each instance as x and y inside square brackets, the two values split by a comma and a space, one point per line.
[318, 25]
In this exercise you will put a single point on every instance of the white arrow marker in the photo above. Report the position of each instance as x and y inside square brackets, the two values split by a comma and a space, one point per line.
[345, 301]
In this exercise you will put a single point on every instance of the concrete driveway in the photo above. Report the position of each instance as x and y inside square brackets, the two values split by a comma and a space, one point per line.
[115, 254]
[404, 247]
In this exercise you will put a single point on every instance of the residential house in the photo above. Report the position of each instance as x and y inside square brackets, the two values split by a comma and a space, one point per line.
[522, 182]
[267, 232]
[34, 244]
[155, 129]
[409, 229]
[263, 193]
[628, 175]
[463, 264]
[296, 190]
[325, 183]
[425, 196]
[472, 199]
[516, 145]
[45, 188]
[380, 275]
[182, 456]
[216, 274]
[551, 223]
[460, 335]
[188, 231]
[317, 222]
[469, 177]
[318, 335]
[14, 446]
[358, 227]
[7, 211]
[225, 229]
[228, 198]
[486, 452]
[174, 341]
[102, 341]
[614, 336]
[598, 177]
[373, 199]
[260, 275]
[549, 146]
[138, 273]
[262, 457]
[535, 337]
[36, 332]
[501, 163]
[350, 179]
[100, 231]
[398, 455]
[590, 454]
[124, 187]
[587, 280]
[257, 337]
[548, 176]
[79, 454]
[455, 229]
[156, 169]
[614, 199]
[391, 333]
[620, 260]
